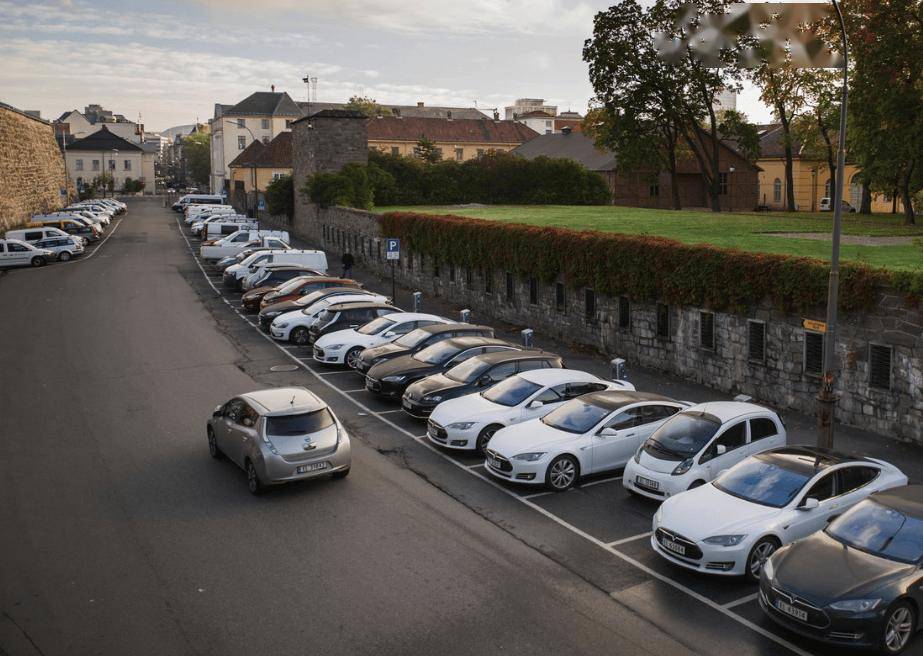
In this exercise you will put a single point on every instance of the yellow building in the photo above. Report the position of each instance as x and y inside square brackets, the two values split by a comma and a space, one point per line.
[812, 179]
[257, 166]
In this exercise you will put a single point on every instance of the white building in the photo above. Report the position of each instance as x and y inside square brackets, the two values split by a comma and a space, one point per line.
[523, 106]
[103, 151]
[93, 117]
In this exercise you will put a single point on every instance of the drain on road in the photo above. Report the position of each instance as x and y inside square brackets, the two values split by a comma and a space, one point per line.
[285, 367]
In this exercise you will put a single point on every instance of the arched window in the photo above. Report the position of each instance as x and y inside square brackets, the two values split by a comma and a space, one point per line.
[855, 191]
[777, 190]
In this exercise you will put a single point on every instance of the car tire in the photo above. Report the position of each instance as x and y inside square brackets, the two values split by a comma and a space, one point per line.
[762, 550]
[899, 626]
[343, 473]
[484, 437]
[299, 336]
[64, 256]
[213, 449]
[352, 357]
[39, 261]
[254, 484]
[562, 473]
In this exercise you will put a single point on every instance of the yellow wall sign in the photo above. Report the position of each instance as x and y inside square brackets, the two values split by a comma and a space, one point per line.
[817, 326]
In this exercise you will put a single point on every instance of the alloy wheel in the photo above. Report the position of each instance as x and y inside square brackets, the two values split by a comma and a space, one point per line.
[212, 444]
[758, 556]
[562, 473]
[352, 358]
[300, 336]
[898, 629]
[484, 438]
[64, 256]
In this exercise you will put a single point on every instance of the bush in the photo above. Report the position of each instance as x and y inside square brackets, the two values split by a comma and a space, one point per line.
[349, 187]
[280, 197]
[132, 186]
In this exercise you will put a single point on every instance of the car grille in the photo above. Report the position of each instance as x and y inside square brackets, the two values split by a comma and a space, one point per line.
[265, 322]
[318, 353]
[692, 551]
[816, 617]
[436, 431]
[504, 464]
[372, 384]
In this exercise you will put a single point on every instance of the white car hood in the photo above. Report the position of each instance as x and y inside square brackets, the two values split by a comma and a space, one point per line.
[658, 465]
[235, 269]
[293, 316]
[529, 436]
[349, 337]
[706, 511]
[471, 407]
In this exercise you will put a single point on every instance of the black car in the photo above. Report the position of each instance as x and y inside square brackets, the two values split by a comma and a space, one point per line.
[858, 582]
[391, 377]
[270, 312]
[341, 316]
[473, 375]
[417, 340]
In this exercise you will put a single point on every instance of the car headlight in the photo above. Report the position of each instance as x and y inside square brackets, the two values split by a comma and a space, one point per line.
[393, 379]
[435, 398]
[284, 324]
[461, 425]
[333, 347]
[638, 454]
[271, 315]
[658, 516]
[855, 605]
[724, 540]
[683, 467]
[529, 457]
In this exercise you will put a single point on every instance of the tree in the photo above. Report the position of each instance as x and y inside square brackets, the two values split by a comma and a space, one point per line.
[818, 128]
[367, 106]
[427, 151]
[348, 187]
[197, 150]
[280, 197]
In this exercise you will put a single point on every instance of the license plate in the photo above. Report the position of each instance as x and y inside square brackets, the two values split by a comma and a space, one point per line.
[788, 609]
[493, 462]
[408, 405]
[640, 481]
[314, 466]
[672, 546]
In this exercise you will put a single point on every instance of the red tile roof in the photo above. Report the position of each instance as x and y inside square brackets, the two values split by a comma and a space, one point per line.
[390, 128]
[248, 154]
[277, 153]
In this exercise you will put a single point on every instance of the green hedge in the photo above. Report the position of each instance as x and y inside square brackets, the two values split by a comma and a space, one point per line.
[643, 268]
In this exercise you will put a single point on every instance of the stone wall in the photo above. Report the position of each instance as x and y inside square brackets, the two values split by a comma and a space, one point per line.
[31, 168]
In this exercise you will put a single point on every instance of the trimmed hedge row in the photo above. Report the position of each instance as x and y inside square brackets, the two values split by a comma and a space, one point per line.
[641, 267]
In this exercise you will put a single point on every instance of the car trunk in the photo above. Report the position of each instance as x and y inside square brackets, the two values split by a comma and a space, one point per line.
[320, 443]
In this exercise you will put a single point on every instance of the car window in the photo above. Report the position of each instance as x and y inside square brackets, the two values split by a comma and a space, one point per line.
[733, 438]
[662, 411]
[626, 419]
[549, 396]
[249, 414]
[573, 390]
[823, 489]
[761, 428]
[502, 371]
[464, 355]
[650, 414]
[852, 478]
[528, 365]
[33, 235]
[234, 410]
[16, 248]
[404, 328]
[2, 248]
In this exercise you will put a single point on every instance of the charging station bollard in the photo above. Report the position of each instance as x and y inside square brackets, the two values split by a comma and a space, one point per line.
[464, 316]
[618, 368]
[527, 337]
[417, 301]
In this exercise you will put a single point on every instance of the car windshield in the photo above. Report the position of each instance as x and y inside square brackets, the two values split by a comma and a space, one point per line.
[413, 338]
[468, 371]
[880, 530]
[575, 416]
[511, 392]
[763, 482]
[309, 422]
[684, 435]
[376, 326]
[437, 353]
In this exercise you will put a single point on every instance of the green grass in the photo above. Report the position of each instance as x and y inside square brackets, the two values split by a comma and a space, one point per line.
[745, 231]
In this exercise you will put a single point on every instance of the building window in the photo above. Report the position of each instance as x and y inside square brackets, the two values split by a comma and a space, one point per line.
[488, 281]
[277, 174]
[459, 154]
[533, 291]
[813, 353]
[723, 184]
[395, 151]
[127, 165]
[654, 189]
[439, 152]
[79, 164]
[510, 292]
[624, 313]
[241, 142]
[880, 366]
[95, 164]
[111, 164]
[756, 341]
[589, 302]
[707, 330]
[777, 190]
[480, 152]
[663, 321]
[264, 123]
[241, 122]
[560, 298]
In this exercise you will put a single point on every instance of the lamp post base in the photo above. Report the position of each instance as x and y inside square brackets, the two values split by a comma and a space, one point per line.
[826, 403]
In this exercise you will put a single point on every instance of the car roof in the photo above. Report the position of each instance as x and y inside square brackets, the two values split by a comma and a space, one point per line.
[807, 460]
[907, 499]
[439, 328]
[413, 316]
[471, 341]
[284, 401]
[557, 376]
[615, 399]
[725, 411]
[511, 355]
[359, 305]
[287, 267]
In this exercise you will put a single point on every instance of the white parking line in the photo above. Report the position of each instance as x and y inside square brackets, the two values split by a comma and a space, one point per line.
[383, 412]
[322, 373]
[362, 389]
[742, 600]
[537, 508]
[600, 482]
[639, 536]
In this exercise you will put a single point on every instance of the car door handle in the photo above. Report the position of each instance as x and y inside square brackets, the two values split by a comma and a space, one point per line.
[630, 435]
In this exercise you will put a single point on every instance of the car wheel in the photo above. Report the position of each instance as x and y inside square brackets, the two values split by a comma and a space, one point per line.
[343, 473]
[758, 555]
[900, 625]
[562, 473]
[352, 357]
[213, 449]
[299, 336]
[485, 436]
[64, 256]
[254, 484]
[38, 261]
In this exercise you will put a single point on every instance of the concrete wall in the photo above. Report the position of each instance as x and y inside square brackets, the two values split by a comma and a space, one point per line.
[31, 168]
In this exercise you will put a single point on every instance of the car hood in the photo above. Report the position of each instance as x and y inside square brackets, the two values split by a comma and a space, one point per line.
[823, 570]
[532, 435]
[431, 384]
[348, 336]
[403, 364]
[235, 269]
[257, 292]
[705, 511]
[472, 407]
[285, 306]
[657, 464]
[384, 351]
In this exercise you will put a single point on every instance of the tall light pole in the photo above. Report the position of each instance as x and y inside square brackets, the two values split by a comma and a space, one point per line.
[826, 398]
[111, 172]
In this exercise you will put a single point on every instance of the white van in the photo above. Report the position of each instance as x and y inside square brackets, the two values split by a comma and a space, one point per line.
[32, 235]
[228, 226]
[243, 239]
[196, 199]
[196, 212]
[316, 260]
[18, 253]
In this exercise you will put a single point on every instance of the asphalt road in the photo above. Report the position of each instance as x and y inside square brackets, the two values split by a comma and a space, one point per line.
[121, 536]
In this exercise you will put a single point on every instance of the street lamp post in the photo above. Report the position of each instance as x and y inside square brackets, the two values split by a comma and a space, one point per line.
[111, 172]
[826, 398]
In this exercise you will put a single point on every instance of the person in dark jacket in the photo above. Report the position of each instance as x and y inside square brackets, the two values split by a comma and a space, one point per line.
[347, 260]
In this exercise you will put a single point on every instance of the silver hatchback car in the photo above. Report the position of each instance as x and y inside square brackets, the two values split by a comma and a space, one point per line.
[279, 435]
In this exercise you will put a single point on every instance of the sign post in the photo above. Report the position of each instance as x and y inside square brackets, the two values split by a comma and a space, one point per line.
[393, 254]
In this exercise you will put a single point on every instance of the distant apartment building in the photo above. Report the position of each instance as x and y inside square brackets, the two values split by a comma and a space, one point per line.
[458, 139]
[542, 118]
[102, 152]
[523, 106]
[74, 124]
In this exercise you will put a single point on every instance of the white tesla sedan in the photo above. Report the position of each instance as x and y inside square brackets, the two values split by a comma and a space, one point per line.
[697, 444]
[298, 323]
[732, 525]
[470, 421]
[344, 346]
[590, 434]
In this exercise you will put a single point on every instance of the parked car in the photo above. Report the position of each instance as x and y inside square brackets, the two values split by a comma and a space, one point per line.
[63, 248]
[195, 213]
[279, 435]
[694, 446]
[593, 433]
[72, 226]
[33, 235]
[469, 422]
[392, 377]
[226, 225]
[275, 275]
[14, 252]
[859, 581]
[252, 300]
[293, 290]
[339, 316]
[269, 313]
[416, 341]
[473, 375]
[732, 525]
[295, 326]
[196, 199]
[826, 205]
[344, 346]
[314, 260]
[275, 239]
[234, 274]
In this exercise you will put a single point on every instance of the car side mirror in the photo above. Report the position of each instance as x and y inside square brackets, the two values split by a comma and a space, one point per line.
[535, 405]
[608, 432]
[484, 380]
[217, 411]
[809, 504]
[720, 450]
[390, 334]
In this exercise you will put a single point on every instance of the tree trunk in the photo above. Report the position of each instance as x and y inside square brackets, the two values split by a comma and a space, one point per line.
[894, 201]
[789, 165]
[909, 218]
[865, 206]
[674, 178]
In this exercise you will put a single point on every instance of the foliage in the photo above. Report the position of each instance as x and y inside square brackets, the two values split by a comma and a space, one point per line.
[642, 267]
[349, 187]
[367, 106]
[280, 197]
[197, 150]
[132, 186]
[427, 151]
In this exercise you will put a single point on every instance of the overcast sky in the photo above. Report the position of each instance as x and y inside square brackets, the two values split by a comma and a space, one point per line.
[171, 61]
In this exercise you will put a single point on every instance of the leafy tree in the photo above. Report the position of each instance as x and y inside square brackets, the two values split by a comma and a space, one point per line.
[367, 106]
[348, 187]
[427, 151]
[280, 197]
[197, 150]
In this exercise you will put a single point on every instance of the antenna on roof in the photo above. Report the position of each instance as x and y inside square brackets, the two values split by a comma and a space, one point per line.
[292, 402]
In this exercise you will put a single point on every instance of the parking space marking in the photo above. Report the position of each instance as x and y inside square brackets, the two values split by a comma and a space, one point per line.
[480, 464]
[742, 600]
[362, 389]
[321, 377]
[326, 373]
[639, 536]
[536, 495]
[381, 412]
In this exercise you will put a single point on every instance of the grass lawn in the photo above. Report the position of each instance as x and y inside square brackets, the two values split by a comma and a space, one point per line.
[750, 231]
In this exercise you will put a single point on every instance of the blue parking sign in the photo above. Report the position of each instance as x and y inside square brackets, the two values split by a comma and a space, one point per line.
[392, 248]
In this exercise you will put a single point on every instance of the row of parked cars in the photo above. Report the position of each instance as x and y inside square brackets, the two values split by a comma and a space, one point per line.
[58, 236]
[835, 541]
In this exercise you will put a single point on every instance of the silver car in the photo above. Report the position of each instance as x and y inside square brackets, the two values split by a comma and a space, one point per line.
[64, 248]
[279, 435]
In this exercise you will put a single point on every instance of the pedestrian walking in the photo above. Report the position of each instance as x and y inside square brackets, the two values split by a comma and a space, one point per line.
[347, 260]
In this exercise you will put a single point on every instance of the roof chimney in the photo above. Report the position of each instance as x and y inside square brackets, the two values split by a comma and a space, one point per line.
[272, 87]
[448, 114]
[419, 103]
[396, 111]
[496, 115]
[566, 130]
